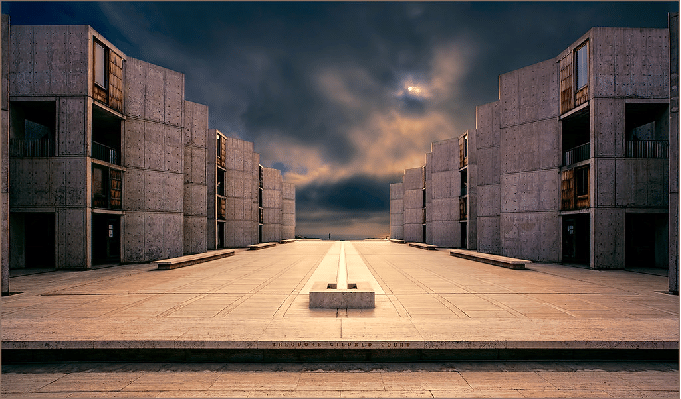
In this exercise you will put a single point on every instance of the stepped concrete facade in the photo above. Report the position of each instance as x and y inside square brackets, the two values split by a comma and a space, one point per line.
[104, 161]
[577, 162]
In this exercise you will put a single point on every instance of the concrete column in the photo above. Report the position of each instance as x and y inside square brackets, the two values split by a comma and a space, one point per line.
[4, 153]
[674, 154]
[607, 241]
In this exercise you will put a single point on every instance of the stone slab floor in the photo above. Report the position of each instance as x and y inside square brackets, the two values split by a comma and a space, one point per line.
[256, 298]
[344, 380]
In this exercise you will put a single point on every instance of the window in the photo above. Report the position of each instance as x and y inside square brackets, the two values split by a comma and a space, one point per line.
[582, 69]
[582, 181]
[100, 65]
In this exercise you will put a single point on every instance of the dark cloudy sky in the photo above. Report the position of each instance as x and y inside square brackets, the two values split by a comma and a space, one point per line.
[322, 89]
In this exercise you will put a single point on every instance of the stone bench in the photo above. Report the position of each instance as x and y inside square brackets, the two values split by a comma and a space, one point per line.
[421, 245]
[188, 260]
[397, 241]
[288, 241]
[262, 245]
[496, 260]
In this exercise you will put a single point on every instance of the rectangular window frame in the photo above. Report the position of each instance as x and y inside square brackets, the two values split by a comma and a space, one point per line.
[100, 65]
[582, 66]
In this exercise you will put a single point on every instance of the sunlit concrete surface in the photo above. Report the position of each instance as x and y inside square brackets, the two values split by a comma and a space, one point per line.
[344, 380]
[258, 300]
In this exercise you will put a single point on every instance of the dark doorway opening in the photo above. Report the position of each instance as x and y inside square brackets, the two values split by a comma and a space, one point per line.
[106, 239]
[39, 236]
[576, 233]
[646, 238]
[221, 235]
[464, 235]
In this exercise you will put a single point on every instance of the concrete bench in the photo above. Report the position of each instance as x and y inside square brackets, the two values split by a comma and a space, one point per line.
[397, 241]
[262, 245]
[496, 260]
[288, 241]
[421, 245]
[188, 260]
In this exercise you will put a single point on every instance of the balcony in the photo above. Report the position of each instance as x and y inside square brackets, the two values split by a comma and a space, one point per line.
[647, 149]
[22, 148]
[104, 153]
[576, 154]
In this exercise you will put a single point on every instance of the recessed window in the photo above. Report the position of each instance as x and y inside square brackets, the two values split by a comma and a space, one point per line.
[582, 69]
[582, 181]
[100, 65]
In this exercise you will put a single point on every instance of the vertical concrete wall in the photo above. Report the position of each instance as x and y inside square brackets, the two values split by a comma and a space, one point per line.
[4, 152]
[530, 162]
[630, 62]
[397, 211]
[428, 198]
[211, 181]
[272, 205]
[49, 60]
[241, 183]
[153, 153]
[288, 221]
[413, 182]
[445, 191]
[195, 211]
[674, 153]
[51, 63]
[486, 150]
[472, 175]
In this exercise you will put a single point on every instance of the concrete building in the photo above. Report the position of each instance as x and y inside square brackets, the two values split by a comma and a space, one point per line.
[577, 162]
[104, 161]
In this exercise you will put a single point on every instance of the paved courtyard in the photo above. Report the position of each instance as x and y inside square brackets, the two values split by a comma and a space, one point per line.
[425, 300]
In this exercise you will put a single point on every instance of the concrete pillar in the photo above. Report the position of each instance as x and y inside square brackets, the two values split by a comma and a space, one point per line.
[674, 154]
[607, 241]
[4, 153]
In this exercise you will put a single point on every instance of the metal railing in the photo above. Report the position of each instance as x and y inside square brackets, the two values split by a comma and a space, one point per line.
[104, 153]
[647, 149]
[576, 154]
[30, 148]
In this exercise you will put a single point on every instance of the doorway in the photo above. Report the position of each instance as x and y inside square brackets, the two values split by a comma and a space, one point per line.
[646, 240]
[39, 240]
[106, 239]
[576, 233]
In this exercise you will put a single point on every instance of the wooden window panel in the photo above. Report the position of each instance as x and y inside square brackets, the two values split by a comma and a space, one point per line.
[566, 97]
[115, 82]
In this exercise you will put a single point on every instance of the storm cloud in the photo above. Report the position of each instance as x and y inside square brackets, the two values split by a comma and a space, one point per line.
[342, 97]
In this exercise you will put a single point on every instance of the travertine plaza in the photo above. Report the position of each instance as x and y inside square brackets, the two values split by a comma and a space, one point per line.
[105, 162]
[577, 162]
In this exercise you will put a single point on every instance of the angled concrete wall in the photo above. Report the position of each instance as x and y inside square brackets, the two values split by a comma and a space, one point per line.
[488, 177]
[397, 211]
[241, 192]
[288, 221]
[413, 182]
[444, 194]
[195, 138]
[153, 154]
[428, 184]
[272, 205]
[530, 161]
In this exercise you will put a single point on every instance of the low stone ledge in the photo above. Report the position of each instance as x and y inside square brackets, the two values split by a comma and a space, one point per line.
[288, 241]
[421, 245]
[262, 245]
[188, 260]
[397, 241]
[491, 259]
